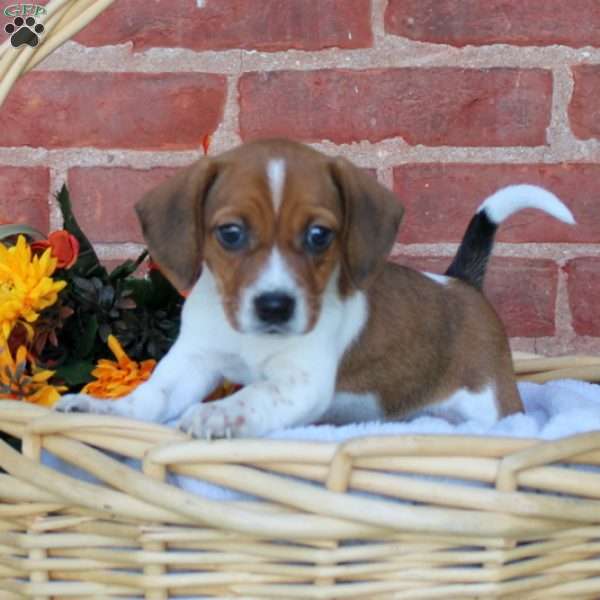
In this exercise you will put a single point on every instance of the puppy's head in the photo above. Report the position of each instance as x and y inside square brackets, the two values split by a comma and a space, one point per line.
[278, 225]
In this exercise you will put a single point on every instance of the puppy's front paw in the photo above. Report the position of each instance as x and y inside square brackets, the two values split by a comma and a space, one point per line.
[81, 403]
[213, 420]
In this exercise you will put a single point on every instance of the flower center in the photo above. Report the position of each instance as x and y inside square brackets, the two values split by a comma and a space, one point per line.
[6, 290]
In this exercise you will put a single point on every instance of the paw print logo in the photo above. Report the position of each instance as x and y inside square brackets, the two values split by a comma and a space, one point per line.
[24, 31]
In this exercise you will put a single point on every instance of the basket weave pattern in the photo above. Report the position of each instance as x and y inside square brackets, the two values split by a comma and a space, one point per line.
[454, 517]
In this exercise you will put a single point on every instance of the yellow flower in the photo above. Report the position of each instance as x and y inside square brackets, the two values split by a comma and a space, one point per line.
[116, 379]
[26, 285]
[18, 382]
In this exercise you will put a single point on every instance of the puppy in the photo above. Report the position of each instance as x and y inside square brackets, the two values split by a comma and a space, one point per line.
[281, 251]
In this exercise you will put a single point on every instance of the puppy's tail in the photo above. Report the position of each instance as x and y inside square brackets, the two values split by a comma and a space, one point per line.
[474, 251]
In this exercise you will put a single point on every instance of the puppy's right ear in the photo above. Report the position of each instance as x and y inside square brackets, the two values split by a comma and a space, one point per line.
[171, 216]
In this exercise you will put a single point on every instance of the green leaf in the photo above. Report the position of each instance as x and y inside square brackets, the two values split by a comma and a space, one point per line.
[106, 297]
[128, 267]
[141, 290]
[75, 373]
[87, 339]
[85, 285]
[87, 263]
[164, 295]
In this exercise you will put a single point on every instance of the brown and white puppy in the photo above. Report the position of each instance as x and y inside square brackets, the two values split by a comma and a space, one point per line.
[283, 252]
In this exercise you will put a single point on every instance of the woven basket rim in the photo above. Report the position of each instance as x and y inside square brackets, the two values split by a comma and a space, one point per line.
[371, 517]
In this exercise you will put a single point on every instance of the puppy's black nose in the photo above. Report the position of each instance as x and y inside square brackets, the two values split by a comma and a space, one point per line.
[274, 308]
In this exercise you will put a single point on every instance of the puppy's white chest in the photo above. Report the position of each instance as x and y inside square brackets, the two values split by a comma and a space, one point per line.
[235, 369]
[248, 364]
[243, 357]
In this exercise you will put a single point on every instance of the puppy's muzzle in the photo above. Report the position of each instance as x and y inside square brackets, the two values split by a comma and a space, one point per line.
[274, 308]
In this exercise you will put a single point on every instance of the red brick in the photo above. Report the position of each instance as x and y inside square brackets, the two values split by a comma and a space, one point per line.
[583, 284]
[103, 200]
[440, 199]
[24, 196]
[151, 111]
[477, 22]
[267, 25]
[584, 110]
[435, 107]
[522, 290]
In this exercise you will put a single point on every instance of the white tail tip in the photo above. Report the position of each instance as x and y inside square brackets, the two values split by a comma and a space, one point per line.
[509, 200]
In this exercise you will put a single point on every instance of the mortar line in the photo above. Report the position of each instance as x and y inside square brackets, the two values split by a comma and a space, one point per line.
[388, 52]
[385, 154]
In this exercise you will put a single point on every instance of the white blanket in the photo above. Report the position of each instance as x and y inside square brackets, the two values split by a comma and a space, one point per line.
[552, 410]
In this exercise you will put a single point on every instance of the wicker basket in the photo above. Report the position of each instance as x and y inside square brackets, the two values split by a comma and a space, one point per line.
[434, 516]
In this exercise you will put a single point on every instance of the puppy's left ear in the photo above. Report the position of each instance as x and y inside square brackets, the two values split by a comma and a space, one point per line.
[172, 220]
[372, 215]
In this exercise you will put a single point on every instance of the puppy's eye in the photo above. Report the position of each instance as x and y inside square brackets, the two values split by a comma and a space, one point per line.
[317, 239]
[232, 236]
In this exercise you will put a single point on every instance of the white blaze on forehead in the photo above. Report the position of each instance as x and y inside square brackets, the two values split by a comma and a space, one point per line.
[276, 177]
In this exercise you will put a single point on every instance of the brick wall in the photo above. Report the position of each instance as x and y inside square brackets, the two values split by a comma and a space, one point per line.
[446, 99]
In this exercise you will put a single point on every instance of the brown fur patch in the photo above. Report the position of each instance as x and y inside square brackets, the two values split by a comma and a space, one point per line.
[424, 341]
[372, 215]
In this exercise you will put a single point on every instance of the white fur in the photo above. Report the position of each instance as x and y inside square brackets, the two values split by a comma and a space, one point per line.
[464, 405]
[276, 177]
[509, 200]
[275, 277]
[289, 379]
[441, 279]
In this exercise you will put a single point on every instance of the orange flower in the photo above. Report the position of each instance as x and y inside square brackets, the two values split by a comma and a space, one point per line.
[20, 380]
[118, 378]
[65, 247]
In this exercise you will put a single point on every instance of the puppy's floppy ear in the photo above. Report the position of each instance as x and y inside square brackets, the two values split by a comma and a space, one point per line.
[171, 216]
[372, 215]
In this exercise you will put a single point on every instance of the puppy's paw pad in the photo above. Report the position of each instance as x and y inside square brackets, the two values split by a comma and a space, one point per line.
[209, 422]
